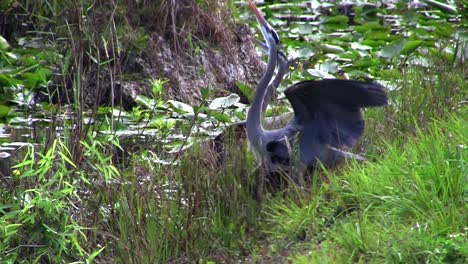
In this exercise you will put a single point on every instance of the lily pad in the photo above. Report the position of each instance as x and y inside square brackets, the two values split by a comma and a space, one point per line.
[332, 48]
[224, 102]
[392, 50]
[410, 46]
[329, 66]
[358, 46]
[320, 74]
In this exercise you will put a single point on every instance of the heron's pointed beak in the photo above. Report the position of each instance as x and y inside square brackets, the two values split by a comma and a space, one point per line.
[261, 20]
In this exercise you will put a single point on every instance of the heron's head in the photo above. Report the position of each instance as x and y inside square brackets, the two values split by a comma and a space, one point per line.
[270, 35]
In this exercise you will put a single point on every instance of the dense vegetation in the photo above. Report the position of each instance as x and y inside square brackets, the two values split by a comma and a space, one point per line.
[140, 185]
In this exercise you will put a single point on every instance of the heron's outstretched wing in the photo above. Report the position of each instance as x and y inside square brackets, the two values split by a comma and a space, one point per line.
[331, 108]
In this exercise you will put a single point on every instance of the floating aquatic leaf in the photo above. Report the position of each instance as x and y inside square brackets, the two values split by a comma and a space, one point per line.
[304, 51]
[328, 66]
[320, 74]
[204, 92]
[392, 50]
[358, 46]
[337, 20]
[410, 46]
[371, 26]
[224, 102]
[305, 29]
[358, 74]
[331, 48]
[381, 35]
[349, 55]
[373, 43]
[366, 63]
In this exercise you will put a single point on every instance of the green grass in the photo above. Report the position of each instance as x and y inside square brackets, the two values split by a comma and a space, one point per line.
[408, 207]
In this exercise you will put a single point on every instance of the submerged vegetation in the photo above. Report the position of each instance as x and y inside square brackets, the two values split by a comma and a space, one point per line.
[104, 180]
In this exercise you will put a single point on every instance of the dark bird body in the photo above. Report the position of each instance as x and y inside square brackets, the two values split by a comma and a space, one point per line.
[327, 115]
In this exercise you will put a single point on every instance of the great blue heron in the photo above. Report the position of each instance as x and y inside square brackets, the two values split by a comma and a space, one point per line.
[327, 115]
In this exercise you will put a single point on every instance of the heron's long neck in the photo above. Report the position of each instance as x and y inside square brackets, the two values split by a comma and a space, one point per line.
[282, 67]
[254, 125]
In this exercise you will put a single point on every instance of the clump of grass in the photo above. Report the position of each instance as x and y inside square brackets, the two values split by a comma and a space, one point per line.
[197, 210]
[408, 207]
[38, 208]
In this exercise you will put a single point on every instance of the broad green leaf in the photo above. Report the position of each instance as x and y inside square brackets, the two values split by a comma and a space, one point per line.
[5, 80]
[328, 66]
[410, 46]
[366, 63]
[222, 117]
[30, 79]
[302, 30]
[320, 74]
[4, 110]
[337, 20]
[373, 43]
[392, 50]
[119, 112]
[4, 43]
[29, 60]
[180, 107]
[368, 27]
[304, 51]
[204, 92]
[224, 102]
[350, 55]
[145, 101]
[358, 46]
[178, 145]
[331, 48]
[245, 90]
[380, 35]
[43, 74]
[11, 55]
